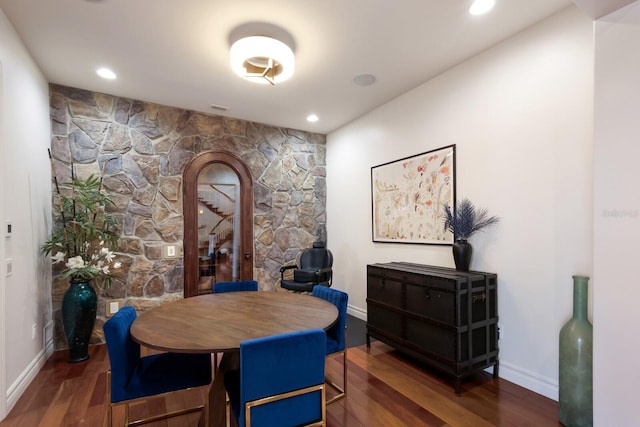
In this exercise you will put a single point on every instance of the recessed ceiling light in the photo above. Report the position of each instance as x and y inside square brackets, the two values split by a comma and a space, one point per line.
[480, 7]
[312, 118]
[106, 73]
[364, 79]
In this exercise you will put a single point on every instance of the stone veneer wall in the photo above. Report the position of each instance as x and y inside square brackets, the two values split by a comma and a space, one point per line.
[142, 150]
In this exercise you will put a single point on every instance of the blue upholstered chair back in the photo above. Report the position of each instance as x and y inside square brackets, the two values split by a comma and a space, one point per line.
[124, 352]
[278, 364]
[242, 285]
[335, 334]
[133, 376]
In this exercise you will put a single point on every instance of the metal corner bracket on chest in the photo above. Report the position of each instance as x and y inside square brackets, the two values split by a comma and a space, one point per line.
[445, 318]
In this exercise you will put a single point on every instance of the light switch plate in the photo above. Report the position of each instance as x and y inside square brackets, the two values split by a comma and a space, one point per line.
[171, 250]
[113, 306]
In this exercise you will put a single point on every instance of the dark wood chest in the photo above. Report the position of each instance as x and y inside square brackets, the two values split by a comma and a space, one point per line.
[440, 316]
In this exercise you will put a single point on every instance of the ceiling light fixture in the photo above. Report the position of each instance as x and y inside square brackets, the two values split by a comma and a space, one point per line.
[312, 118]
[480, 7]
[262, 59]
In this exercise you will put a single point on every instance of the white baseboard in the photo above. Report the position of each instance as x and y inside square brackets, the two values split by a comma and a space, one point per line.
[16, 389]
[20, 385]
[545, 386]
[357, 312]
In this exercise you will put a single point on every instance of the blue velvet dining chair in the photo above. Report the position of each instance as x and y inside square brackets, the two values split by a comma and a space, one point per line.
[336, 334]
[280, 381]
[242, 285]
[133, 378]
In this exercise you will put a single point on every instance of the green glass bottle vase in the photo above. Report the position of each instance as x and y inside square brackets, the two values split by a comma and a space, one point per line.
[576, 362]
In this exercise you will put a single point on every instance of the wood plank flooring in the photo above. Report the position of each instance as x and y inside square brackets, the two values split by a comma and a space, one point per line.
[384, 389]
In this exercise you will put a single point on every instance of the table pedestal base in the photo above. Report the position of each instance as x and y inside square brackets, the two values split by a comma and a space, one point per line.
[218, 393]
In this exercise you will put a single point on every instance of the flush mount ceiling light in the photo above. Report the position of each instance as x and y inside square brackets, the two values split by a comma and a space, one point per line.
[262, 59]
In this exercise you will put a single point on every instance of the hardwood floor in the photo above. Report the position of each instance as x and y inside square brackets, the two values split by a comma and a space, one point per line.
[385, 389]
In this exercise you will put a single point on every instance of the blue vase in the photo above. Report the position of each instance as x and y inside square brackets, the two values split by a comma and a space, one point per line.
[79, 306]
[576, 362]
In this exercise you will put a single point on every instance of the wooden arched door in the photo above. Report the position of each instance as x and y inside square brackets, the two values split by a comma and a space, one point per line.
[200, 180]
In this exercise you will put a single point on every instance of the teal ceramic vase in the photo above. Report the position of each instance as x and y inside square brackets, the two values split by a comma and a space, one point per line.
[576, 362]
[79, 306]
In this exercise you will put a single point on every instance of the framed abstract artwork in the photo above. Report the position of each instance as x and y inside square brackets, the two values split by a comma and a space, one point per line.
[408, 198]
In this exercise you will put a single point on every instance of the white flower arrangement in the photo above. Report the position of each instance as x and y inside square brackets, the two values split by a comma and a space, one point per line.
[83, 234]
[98, 264]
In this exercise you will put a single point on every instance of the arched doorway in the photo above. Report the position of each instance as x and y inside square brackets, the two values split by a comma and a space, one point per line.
[218, 221]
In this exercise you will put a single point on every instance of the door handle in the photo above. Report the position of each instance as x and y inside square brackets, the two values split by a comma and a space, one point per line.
[247, 255]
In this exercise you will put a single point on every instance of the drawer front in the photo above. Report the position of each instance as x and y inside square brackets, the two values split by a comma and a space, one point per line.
[384, 321]
[436, 340]
[431, 303]
[384, 290]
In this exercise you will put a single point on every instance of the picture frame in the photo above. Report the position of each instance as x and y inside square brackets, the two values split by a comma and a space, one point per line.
[408, 196]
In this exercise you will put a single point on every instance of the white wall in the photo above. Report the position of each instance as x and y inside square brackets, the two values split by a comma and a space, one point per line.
[616, 218]
[25, 296]
[520, 115]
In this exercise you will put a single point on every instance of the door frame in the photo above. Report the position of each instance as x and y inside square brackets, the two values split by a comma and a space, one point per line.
[3, 275]
[190, 214]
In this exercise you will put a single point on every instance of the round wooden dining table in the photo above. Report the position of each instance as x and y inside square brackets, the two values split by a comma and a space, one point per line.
[216, 323]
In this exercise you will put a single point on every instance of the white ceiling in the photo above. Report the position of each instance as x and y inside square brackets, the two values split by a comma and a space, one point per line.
[177, 52]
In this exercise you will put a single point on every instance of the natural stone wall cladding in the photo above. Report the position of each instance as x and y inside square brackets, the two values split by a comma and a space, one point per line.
[141, 149]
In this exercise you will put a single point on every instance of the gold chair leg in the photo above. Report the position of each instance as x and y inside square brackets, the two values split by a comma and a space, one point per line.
[286, 395]
[342, 391]
[165, 416]
[126, 414]
[204, 408]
